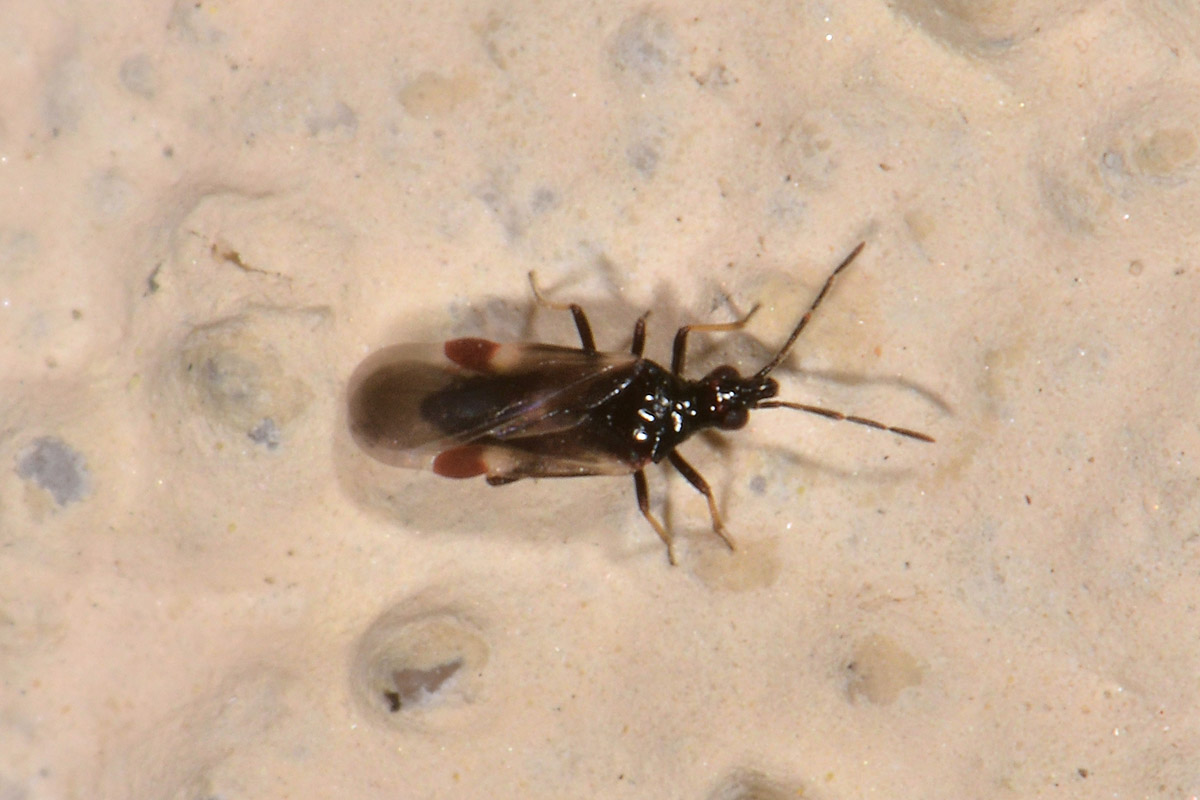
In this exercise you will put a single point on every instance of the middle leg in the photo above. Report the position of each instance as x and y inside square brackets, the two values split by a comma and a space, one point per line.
[643, 501]
[697, 480]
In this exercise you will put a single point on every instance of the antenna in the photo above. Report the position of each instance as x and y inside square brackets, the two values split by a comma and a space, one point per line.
[838, 416]
[787, 346]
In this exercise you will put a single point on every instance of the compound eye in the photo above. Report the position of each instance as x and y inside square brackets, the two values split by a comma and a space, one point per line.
[733, 419]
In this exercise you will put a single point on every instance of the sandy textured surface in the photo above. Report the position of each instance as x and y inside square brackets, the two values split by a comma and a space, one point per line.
[210, 213]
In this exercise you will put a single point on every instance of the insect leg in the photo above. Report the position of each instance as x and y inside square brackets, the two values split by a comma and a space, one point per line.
[639, 335]
[643, 501]
[502, 480]
[679, 352]
[581, 320]
[697, 480]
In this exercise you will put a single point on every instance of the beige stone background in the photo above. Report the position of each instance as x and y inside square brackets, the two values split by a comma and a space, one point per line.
[210, 212]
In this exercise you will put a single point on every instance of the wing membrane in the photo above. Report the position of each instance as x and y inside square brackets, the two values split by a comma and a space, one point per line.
[410, 402]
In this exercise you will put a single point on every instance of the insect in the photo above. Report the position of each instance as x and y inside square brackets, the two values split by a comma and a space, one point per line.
[470, 407]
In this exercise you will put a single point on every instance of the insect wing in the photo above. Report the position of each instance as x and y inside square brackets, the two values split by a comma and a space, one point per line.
[451, 407]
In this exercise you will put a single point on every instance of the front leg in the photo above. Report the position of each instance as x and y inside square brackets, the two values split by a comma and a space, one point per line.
[679, 351]
[639, 336]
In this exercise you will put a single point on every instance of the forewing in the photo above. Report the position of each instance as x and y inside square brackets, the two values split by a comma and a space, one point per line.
[411, 403]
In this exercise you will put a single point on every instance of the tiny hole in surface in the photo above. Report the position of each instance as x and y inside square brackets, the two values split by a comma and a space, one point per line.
[411, 685]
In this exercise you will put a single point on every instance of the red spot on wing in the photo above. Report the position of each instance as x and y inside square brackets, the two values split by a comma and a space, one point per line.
[460, 462]
[473, 354]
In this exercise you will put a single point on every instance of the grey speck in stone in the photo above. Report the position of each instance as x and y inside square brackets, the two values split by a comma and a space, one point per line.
[643, 157]
[644, 48]
[56, 467]
[265, 432]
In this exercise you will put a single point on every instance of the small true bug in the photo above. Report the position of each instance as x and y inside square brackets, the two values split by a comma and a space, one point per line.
[471, 407]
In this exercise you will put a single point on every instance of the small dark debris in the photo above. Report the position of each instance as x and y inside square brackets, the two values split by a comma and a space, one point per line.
[152, 284]
[231, 256]
[412, 684]
[223, 252]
